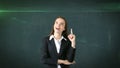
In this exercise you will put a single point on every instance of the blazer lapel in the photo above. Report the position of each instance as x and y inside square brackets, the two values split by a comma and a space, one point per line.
[53, 46]
[62, 45]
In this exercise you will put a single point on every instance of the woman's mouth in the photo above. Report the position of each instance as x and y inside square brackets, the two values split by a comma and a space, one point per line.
[58, 28]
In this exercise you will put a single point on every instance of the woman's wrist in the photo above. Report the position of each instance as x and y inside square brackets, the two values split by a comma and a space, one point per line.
[73, 44]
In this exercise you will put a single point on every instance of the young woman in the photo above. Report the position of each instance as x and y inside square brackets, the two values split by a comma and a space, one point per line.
[59, 48]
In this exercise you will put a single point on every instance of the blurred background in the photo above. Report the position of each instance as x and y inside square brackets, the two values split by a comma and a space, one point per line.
[23, 24]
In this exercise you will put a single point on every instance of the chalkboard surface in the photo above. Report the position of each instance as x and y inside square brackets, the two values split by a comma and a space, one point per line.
[97, 38]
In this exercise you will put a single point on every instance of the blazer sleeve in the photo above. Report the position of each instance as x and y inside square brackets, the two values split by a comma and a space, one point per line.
[71, 52]
[45, 57]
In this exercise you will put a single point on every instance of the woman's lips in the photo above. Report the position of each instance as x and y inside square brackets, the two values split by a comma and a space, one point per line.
[58, 28]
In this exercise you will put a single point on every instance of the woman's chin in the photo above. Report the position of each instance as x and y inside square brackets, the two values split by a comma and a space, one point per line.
[57, 32]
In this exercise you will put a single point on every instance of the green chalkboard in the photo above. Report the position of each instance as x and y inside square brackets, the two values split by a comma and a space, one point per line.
[97, 35]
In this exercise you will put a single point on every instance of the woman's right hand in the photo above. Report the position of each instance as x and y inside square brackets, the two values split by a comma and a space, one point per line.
[65, 62]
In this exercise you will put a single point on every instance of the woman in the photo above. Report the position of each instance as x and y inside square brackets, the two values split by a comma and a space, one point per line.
[59, 48]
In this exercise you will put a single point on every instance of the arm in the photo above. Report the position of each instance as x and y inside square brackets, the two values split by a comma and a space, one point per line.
[65, 62]
[71, 47]
[71, 52]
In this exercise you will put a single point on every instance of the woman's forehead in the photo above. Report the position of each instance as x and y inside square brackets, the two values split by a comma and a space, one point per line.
[60, 20]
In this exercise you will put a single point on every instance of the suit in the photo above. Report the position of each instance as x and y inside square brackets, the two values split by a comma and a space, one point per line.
[49, 56]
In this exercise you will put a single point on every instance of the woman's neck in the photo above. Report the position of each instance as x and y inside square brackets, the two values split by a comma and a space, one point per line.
[57, 36]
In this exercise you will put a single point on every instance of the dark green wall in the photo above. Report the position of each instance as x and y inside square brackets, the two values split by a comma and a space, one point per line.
[97, 38]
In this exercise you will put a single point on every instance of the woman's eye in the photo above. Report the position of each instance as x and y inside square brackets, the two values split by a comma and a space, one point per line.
[62, 24]
[56, 22]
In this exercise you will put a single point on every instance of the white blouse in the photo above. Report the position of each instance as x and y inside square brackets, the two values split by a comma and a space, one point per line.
[57, 44]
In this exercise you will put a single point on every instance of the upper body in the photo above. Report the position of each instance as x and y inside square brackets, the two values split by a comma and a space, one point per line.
[50, 55]
[58, 55]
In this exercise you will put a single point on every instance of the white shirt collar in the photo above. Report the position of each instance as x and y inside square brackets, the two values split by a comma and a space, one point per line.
[52, 36]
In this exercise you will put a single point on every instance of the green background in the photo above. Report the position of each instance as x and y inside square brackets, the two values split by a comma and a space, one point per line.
[23, 24]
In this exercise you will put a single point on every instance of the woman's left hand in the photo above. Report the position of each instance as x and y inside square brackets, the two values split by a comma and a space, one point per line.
[66, 62]
[71, 37]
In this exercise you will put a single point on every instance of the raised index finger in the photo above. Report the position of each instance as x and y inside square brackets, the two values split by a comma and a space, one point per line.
[71, 31]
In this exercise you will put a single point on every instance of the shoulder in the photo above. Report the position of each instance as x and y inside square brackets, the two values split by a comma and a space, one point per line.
[45, 40]
[67, 40]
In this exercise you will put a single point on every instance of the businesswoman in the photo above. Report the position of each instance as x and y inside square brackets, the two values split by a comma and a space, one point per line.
[58, 49]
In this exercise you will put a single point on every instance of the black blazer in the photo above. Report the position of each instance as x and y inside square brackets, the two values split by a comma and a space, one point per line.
[49, 55]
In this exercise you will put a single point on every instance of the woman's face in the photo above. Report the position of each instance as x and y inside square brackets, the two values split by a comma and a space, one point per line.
[59, 25]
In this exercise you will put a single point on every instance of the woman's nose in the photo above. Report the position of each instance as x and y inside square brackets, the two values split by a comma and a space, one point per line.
[58, 25]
